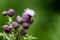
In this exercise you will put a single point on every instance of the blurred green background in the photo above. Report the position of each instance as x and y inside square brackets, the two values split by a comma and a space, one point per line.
[47, 17]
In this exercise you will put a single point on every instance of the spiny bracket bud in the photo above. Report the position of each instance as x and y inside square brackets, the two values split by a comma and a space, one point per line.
[6, 28]
[10, 12]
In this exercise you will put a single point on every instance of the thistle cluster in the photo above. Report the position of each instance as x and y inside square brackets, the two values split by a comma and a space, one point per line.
[21, 23]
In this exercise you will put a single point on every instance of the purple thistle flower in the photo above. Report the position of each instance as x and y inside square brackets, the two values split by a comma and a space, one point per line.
[15, 25]
[23, 32]
[27, 15]
[6, 28]
[4, 13]
[29, 11]
[10, 12]
[25, 25]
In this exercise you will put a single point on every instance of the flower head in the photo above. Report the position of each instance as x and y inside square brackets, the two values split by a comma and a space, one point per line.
[10, 12]
[6, 28]
[4, 13]
[25, 25]
[18, 19]
[15, 25]
[23, 32]
[27, 15]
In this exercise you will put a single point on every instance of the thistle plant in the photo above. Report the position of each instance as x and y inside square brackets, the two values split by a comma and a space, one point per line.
[17, 30]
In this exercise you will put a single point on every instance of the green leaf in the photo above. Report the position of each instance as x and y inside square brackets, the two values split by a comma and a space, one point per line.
[28, 37]
[6, 36]
[32, 37]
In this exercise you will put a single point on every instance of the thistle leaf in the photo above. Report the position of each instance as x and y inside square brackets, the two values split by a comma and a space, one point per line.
[6, 36]
[29, 37]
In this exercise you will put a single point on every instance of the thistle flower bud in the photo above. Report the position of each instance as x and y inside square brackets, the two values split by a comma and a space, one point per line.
[27, 15]
[4, 13]
[30, 21]
[10, 12]
[15, 25]
[6, 28]
[25, 25]
[23, 32]
[19, 19]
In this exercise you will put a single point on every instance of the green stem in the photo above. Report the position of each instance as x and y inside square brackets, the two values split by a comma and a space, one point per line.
[17, 36]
